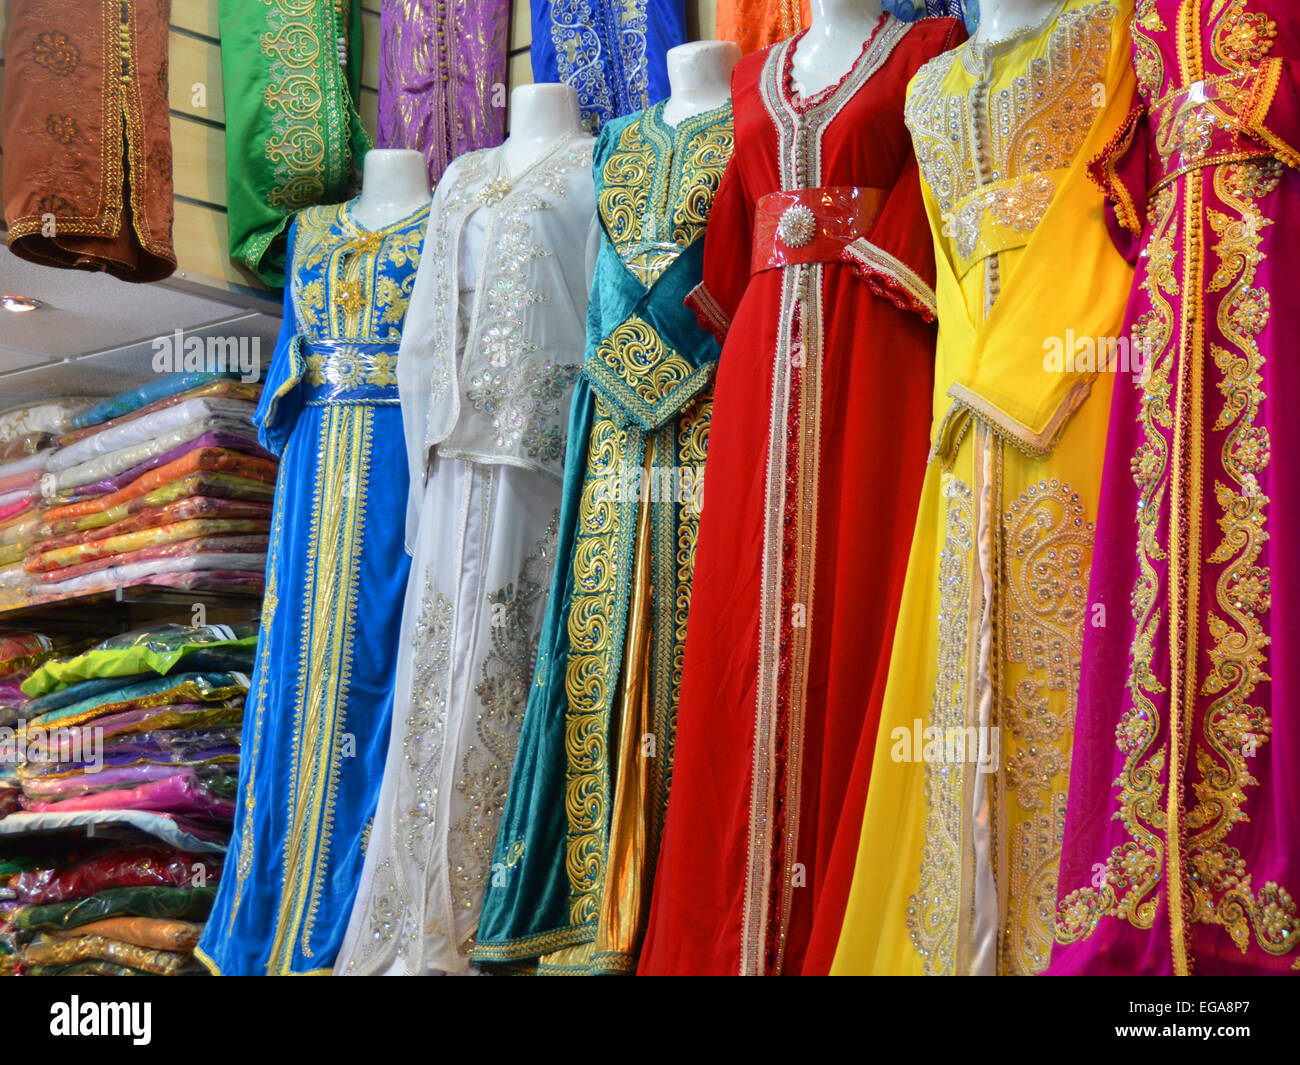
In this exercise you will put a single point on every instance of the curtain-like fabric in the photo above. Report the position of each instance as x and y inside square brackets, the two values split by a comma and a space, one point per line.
[293, 136]
[87, 138]
[610, 51]
[442, 77]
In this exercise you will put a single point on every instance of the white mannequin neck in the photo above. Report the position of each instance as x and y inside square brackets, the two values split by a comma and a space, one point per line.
[834, 40]
[1001, 19]
[394, 184]
[539, 116]
[699, 76]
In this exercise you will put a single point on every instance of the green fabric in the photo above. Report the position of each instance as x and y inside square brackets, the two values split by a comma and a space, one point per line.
[182, 903]
[293, 135]
[151, 651]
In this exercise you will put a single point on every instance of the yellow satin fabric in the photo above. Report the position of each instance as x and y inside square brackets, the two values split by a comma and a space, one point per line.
[956, 868]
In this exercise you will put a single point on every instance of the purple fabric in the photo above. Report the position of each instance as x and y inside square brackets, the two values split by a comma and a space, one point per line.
[244, 442]
[442, 77]
[53, 788]
[1202, 634]
[182, 794]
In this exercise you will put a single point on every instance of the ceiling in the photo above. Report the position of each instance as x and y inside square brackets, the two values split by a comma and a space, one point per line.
[94, 335]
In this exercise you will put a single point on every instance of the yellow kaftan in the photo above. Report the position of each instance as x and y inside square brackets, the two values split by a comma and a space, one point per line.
[957, 863]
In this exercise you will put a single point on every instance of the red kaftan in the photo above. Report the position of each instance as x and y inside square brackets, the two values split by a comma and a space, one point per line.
[817, 451]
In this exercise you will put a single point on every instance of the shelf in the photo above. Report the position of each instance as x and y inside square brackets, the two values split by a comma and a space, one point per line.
[121, 603]
[129, 826]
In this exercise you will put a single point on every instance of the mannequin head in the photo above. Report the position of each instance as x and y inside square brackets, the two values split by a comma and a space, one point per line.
[1000, 19]
[699, 75]
[543, 110]
[394, 184]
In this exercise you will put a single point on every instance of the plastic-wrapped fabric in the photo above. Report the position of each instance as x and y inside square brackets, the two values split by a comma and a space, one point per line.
[11, 553]
[238, 545]
[153, 517]
[170, 716]
[231, 439]
[156, 933]
[133, 399]
[156, 649]
[156, 451]
[129, 545]
[17, 646]
[126, 434]
[200, 460]
[15, 496]
[131, 867]
[213, 571]
[24, 445]
[154, 691]
[15, 507]
[224, 388]
[182, 793]
[76, 692]
[161, 747]
[72, 952]
[57, 787]
[22, 530]
[33, 419]
[179, 903]
[21, 482]
[205, 485]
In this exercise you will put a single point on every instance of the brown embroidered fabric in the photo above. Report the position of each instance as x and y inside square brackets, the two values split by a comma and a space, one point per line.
[87, 137]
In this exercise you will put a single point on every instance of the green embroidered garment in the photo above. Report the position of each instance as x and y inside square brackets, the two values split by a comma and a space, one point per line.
[293, 135]
[589, 788]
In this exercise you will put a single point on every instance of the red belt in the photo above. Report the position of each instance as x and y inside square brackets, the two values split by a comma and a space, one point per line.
[812, 225]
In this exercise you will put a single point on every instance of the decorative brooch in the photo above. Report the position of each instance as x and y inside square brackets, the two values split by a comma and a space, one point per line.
[798, 225]
[494, 191]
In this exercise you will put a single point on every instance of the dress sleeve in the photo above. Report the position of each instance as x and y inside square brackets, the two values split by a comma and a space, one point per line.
[1122, 172]
[281, 400]
[896, 259]
[1273, 113]
[728, 244]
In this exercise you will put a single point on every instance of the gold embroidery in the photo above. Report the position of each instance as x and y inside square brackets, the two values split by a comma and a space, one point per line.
[594, 634]
[987, 156]
[1133, 869]
[1049, 552]
[933, 912]
[1233, 729]
[658, 185]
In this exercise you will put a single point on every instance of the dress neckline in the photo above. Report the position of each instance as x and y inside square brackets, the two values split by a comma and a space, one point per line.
[803, 103]
[979, 50]
[655, 113]
[562, 142]
[349, 212]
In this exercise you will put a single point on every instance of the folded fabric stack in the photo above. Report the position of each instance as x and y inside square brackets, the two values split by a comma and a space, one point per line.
[165, 485]
[141, 728]
[28, 440]
[21, 653]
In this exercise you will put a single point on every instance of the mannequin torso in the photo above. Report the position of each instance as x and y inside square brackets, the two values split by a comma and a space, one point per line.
[1003, 19]
[394, 184]
[699, 74]
[539, 116]
[833, 42]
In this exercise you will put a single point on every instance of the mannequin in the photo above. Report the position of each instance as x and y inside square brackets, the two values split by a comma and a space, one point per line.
[539, 116]
[394, 184]
[833, 42]
[699, 76]
[1002, 19]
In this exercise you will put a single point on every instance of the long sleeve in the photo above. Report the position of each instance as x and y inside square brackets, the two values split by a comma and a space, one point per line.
[281, 402]
[896, 259]
[727, 251]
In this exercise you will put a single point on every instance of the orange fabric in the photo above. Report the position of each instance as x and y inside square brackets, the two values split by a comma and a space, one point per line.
[205, 458]
[754, 24]
[88, 157]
